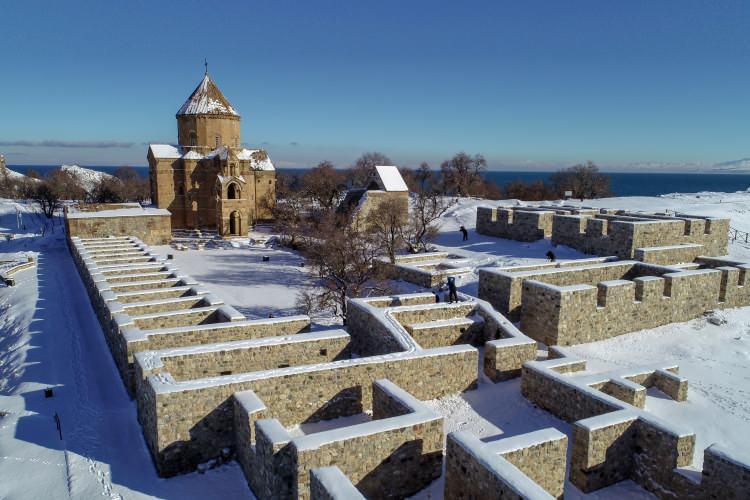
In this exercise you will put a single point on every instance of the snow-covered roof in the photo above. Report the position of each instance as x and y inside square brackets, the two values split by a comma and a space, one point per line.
[258, 158]
[165, 151]
[207, 99]
[262, 163]
[192, 155]
[258, 161]
[389, 178]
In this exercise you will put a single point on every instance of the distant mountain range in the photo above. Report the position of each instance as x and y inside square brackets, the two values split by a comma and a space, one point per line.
[742, 165]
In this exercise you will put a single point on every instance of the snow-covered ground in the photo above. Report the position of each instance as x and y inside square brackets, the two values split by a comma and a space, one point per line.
[49, 337]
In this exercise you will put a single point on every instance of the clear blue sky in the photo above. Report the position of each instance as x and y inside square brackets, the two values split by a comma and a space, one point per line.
[526, 83]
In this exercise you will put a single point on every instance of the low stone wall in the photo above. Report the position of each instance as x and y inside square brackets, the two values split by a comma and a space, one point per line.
[142, 311]
[7, 275]
[427, 270]
[576, 304]
[675, 254]
[520, 224]
[190, 422]
[615, 439]
[395, 455]
[329, 483]
[151, 225]
[221, 359]
[623, 233]
[428, 325]
[526, 466]
[503, 287]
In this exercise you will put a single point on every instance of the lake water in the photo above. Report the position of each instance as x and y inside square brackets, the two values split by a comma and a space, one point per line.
[623, 184]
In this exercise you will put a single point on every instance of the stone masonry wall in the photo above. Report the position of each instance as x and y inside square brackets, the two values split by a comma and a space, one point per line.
[525, 466]
[265, 354]
[514, 223]
[151, 229]
[581, 313]
[614, 440]
[189, 423]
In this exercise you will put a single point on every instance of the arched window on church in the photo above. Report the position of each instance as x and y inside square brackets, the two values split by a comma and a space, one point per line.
[233, 169]
[233, 192]
[193, 138]
[218, 141]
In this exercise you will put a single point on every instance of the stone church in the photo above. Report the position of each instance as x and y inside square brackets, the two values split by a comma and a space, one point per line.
[208, 180]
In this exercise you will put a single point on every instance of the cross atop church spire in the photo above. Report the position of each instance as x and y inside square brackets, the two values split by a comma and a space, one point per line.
[205, 63]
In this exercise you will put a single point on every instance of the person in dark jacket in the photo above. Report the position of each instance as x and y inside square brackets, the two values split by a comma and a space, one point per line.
[452, 294]
[551, 256]
[465, 233]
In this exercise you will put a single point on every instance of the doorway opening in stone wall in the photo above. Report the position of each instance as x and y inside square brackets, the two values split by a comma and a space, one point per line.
[234, 223]
[233, 191]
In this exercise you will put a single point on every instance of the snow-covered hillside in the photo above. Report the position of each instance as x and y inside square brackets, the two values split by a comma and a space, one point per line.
[86, 178]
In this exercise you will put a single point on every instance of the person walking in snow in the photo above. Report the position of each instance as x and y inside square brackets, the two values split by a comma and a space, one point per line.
[551, 256]
[452, 294]
[465, 233]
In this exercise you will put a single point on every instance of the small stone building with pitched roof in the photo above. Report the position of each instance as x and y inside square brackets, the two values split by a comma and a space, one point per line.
[386, 183]
[208, 180]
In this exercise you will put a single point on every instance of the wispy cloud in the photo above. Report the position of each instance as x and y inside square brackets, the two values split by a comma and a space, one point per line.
[294, 143]
[51, 143]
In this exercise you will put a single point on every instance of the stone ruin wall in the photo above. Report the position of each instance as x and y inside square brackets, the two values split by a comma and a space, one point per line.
[329, 483]
[652, 238]
[427, 270]
[530, 223]
[615, 439]
[192, 409]
[531, 465]
[150, 228]
[622, 235]
[396, 454]
[573, 305]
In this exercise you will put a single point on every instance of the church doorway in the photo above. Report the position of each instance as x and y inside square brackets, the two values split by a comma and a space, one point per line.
[234, 223]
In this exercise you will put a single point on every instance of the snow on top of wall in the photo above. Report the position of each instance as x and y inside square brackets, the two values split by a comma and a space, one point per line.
[165, 151]
[390, 178]
[120, 212]
[207, 99]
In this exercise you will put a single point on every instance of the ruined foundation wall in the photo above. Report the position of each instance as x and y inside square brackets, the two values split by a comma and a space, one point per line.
[514, 223]
[152, 229]
[187, 426]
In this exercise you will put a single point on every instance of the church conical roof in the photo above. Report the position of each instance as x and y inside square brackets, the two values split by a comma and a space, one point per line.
[207, 99]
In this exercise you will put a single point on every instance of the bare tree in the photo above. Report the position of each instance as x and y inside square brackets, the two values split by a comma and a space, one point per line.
[108, 190]
[386, 221]
[65, 185]
[462, 173]
[584, 180]
[424, 176]
[529, 191]
[47, 197]
[422, 225]
[342, 253]
[289, 216]
[132, 187]
[364, 167]
[323, 185]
